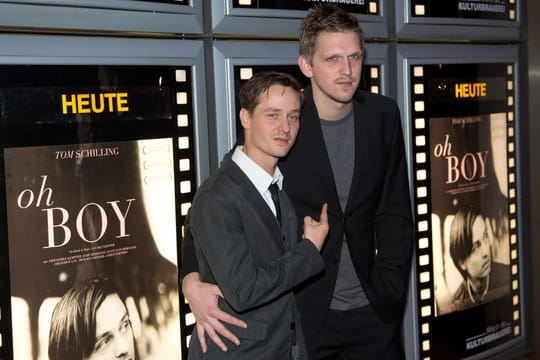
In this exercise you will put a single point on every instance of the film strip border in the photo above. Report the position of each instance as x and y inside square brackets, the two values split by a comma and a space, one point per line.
[185, 158]
[372, 76]
[422, 208]
[5, 317]
[422, 196]
[512, 198]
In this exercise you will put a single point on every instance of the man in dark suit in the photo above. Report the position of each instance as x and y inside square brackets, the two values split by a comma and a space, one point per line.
[246, 239]
[349, 153]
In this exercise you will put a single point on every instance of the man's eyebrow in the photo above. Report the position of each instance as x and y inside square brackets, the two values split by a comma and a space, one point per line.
[126, 316]
[271, 108]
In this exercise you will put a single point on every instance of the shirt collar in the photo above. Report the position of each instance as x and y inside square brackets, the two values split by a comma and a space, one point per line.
[256, 174]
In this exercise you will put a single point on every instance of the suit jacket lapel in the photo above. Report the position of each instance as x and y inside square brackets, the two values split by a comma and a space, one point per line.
[246, 188]
[310, 143]
[361, 140]
[369, 154]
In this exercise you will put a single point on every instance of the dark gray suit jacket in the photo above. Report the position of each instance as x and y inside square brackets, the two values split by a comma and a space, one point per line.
[241, 248]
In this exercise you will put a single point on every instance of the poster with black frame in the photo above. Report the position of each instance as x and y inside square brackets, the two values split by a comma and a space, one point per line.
[466, 218]
[89, 176]
[368, 7]
[466, 9]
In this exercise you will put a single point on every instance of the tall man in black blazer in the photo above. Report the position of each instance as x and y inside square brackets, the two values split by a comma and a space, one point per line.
[244, 229]
[349, 153]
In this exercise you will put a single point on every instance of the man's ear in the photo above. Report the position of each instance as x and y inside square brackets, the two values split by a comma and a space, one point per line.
[245, 118]
[305, 66]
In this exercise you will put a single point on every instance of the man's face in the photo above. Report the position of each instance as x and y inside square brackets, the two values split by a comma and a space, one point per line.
[335, 67]
[114, 335]
[272, 126]
[478, 264]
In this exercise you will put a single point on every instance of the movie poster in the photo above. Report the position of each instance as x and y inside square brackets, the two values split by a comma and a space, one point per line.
[83, 218]
[469, 199]
[466, 9]
[355, 6]
[467, 287]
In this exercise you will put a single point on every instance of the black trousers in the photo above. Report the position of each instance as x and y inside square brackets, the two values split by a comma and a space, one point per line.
[357, 334]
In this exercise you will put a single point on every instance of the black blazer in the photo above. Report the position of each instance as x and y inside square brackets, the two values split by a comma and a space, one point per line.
[377, 219]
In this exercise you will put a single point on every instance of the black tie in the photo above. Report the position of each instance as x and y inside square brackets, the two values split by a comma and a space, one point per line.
[274, 191]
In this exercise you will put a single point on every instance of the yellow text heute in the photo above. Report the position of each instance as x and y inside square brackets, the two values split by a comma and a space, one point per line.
[471, 90]
[94, 103]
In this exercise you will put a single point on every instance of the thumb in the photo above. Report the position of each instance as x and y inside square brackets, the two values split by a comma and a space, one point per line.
[217, 291]
[308, 220]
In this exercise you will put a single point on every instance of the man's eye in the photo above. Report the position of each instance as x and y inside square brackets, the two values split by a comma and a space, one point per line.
[355, 57]
[126, 324]
[102, 343]
[332, 59]
[272, 116]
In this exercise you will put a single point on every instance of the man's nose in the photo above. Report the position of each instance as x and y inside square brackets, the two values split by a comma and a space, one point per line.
[284, 124]
[346, 66]
[485, 248]
[121, 346]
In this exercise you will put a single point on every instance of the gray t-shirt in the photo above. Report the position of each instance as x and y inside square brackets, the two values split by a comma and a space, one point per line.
[339, 138]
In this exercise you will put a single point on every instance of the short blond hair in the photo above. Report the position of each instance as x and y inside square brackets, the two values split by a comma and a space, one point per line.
[326, 18]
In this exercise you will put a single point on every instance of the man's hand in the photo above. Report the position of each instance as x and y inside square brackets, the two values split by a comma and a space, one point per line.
[203, 301]
[316, 231]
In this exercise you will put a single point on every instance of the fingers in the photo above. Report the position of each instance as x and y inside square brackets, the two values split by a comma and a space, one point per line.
[213, 335]
[228, 318]
[210, 319]
[214, 329]
[202, 339]
[324, 214]
[221, 330]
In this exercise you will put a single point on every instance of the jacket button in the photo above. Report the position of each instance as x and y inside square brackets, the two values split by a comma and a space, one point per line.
[335, 261]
